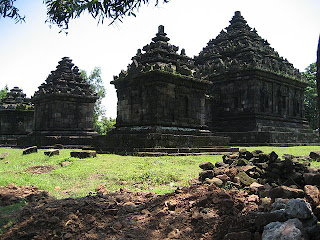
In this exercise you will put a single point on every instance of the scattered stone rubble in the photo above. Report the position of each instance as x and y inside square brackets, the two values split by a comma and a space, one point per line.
[83, 154]
[286, 190]
[29, 150]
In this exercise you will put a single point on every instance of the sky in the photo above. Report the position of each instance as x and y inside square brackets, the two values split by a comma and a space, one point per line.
[31, 50]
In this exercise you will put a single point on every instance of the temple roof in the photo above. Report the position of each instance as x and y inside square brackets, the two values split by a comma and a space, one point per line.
[160, 55]
[240, 47]
[16, 100]
[66, 79]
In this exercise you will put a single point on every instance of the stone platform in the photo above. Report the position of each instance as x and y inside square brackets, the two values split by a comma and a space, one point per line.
[269, 131]
[9, 140]
[83, 140]
[161, 141]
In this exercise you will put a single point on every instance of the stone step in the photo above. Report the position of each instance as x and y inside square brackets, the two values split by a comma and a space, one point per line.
[266, 137]
[171, 151]
[159, 154]
[189, 150]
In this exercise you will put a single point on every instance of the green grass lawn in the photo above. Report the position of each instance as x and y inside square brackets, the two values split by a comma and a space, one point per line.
[156, 174]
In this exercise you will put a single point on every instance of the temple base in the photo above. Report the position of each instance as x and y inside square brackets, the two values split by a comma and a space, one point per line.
[161, 141]
[66, 139]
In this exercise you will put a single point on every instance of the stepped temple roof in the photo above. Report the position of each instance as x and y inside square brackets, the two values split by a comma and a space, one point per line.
[160, 55]
[65, 80]
[239, 47]
[16, 100]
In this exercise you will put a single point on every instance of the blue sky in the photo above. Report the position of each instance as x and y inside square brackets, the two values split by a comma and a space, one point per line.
[29, 51]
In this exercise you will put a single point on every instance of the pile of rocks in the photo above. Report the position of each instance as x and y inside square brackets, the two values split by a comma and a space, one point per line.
[262, 172]
[288, 219]
[286, 190]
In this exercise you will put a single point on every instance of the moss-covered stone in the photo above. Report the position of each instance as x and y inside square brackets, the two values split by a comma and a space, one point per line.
[245, 179]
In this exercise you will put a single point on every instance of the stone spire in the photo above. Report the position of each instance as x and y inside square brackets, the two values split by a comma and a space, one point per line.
[65, 80]
[240, 47]
[159, 55]
[16, 100]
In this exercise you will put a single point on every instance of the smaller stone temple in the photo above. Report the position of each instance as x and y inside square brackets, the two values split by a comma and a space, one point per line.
[16, 117]
[63, 109]
[161, 104]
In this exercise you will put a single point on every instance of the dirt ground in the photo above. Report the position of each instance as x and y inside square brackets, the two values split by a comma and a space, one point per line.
[195, 212]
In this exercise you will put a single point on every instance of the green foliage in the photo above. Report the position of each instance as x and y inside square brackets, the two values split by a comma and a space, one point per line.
[3, 93]
[7, 10]
[61, 12]
[104, 125]
[101, 123]
[310, 101]
[95, 80]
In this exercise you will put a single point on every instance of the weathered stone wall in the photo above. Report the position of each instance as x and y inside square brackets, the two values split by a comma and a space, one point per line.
[63, 113]
[157, 98]
[242, 98]
[14, 122]
[16, 113]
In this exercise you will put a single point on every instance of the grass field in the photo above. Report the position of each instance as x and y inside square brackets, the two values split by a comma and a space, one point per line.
[156, 174]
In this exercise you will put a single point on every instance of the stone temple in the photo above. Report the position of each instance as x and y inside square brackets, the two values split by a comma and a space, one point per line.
[162, 105]
[257, 96]
[63, 109]
[16, 117]
[237, 91]
[237, 87]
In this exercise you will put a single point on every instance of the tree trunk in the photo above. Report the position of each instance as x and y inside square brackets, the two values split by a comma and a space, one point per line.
[318, 81]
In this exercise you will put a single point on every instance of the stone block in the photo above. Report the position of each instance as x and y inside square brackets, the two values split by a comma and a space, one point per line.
[291, 229]
[264, 218]
[312, 195]
[298, 208]
[245, 179]
[286, 192]
[206, 166]
[315, 155]
[52, 152]
[205, 174]
[29, 150]
[83, 154]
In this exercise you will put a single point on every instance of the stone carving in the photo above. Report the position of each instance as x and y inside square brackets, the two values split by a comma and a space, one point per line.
[240, 48]
[65, 80]
[160, 55]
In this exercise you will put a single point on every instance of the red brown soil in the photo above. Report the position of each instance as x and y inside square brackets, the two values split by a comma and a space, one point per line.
[41, 169]
[195, 212]
[12, 194]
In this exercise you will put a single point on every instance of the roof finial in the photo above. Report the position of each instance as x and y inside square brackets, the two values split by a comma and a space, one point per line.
[237, 13]
[161, 29]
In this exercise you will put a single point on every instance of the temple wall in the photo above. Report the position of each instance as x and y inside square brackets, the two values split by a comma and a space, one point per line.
[64, 114]
[161, 103]
[16, 122]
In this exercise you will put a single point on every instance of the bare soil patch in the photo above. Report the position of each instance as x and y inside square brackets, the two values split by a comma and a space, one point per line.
[195, 212]
[12, 194]
[41, 169]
